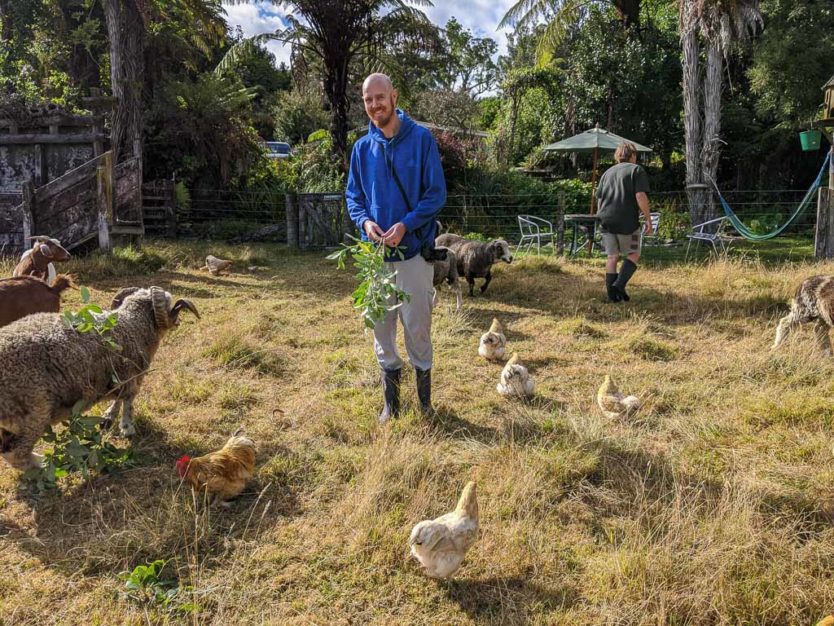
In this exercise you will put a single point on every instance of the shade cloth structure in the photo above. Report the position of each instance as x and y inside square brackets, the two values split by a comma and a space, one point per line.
[591, 142]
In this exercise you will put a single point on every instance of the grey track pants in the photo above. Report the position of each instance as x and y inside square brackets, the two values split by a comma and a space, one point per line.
[414, 276]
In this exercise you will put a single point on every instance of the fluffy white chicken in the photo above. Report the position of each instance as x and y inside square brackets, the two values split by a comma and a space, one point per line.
[614, 403]
[515, 380]
[215, 266]
[493, 342]
[441, 544]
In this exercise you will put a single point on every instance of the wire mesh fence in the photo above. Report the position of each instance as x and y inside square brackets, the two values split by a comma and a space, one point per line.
[225, 214]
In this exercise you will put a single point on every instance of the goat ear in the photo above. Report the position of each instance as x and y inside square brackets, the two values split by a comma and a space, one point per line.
[45, 250]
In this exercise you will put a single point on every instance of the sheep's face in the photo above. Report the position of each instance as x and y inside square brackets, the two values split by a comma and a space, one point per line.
[165, 314]
[489, 339]
[501, 250]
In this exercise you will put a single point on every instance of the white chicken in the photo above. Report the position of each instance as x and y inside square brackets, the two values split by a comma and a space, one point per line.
[441, 544]
[216, 266]
[493, 342]
[614, 403]
[515, 380]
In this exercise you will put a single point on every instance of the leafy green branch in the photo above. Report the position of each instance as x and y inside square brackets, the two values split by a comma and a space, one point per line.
[91, 318]
[80, 447]
[377, 288]
[146, 585]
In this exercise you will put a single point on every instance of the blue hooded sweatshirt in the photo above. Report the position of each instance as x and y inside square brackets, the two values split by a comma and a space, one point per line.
[372, 192]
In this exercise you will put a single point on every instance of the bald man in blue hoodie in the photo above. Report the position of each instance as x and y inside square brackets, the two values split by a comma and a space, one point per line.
[395, 190]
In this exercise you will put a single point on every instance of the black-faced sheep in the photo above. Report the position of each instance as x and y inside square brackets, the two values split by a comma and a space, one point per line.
[475, 259]
[446, 270]
[26, 295]
[813, 302]
[38, 260]
[47, 367]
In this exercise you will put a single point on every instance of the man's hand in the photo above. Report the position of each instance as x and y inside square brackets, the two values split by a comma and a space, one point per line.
[373, 230]
[647, 227]
[394, 235]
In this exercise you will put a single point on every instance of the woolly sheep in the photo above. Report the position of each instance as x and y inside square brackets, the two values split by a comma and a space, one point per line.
[48, 367]
[813, 302]
[475, 259]
[446, 270]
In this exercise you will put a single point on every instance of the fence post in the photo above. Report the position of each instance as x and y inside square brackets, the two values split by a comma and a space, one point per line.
[561, 202]
[824, 238]
[292, 221]
[104, 200]
[28, 211]
[303, 234]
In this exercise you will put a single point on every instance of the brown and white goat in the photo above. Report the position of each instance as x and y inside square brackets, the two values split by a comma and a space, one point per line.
[813, 302]
[38, 260]
[25, 295]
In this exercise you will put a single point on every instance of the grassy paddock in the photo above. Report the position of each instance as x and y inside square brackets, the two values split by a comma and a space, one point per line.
[714, 505]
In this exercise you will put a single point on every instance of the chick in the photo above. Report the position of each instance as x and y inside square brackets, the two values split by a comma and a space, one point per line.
[221, 474]
[493, 342]
[613, 403]
[216, 266]
[441, 544]
[826, 621]
[515, 380]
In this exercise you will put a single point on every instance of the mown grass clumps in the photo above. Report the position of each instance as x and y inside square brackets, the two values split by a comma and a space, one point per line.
[235, 352]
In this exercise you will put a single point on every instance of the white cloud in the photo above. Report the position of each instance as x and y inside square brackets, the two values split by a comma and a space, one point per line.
[257, 18]
[479, 16]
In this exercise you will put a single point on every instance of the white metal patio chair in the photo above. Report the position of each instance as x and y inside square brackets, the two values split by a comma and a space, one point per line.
[534, 231]
[719, 239]
[655, 223]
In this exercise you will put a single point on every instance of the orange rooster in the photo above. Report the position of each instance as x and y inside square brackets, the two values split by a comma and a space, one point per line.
[221, 474]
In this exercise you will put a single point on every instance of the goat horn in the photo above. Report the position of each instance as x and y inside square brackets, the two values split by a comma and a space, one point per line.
[160, 308]
[179, 305]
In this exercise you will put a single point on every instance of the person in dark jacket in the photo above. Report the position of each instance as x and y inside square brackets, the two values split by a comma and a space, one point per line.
[622, 196]
[395, 190]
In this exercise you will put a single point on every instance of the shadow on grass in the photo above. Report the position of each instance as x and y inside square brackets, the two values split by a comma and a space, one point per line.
[513, 599]
[445, 421]
[110, 523]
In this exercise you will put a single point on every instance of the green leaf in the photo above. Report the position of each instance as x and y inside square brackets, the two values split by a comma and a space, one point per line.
[85, 294]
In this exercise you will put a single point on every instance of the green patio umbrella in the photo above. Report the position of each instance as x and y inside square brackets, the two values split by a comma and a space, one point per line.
[592, 141]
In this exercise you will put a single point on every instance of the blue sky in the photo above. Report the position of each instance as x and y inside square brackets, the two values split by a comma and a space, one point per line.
[480, 16]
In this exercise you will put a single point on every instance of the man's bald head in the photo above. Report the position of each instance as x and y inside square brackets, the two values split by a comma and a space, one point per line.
[377, 81]
[380, 99]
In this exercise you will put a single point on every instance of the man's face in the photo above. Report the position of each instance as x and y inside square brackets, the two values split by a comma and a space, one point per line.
[380, 103]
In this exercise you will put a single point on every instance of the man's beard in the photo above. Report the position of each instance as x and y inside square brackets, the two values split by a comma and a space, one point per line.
[379, 123]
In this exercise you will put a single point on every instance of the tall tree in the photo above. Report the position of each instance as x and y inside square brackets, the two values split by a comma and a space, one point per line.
[715, 26]
[338, 33]
[561, 15]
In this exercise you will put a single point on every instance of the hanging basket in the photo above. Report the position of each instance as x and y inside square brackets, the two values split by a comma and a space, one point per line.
[810, 140]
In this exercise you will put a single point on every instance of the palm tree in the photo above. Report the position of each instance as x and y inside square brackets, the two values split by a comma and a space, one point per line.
[560, 15]
[337, 33]
[716, 25]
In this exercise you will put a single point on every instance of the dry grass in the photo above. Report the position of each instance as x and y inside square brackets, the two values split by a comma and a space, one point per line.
[714, 506]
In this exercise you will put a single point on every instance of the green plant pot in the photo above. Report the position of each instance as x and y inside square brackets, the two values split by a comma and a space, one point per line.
[810, 140]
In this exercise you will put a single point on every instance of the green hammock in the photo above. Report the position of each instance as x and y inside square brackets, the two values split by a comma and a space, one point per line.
[745, 232]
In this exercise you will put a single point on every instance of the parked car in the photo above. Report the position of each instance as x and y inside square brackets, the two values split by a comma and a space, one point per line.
[278, 150]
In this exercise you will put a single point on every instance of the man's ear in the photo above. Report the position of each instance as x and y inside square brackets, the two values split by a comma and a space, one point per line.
[394, 96]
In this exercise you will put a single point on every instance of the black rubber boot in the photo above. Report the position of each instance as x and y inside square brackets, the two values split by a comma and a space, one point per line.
[424, 390]
[613, 294]
[626, 272]
[391, 395]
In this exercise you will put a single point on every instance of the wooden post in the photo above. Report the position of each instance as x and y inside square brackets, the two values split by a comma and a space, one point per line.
[824, 236]
[292, 221]
[28, 211]
[302, 221]
[104, 197]
[561, 204]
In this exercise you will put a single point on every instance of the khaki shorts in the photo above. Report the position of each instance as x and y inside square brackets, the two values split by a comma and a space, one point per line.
[621, 244]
